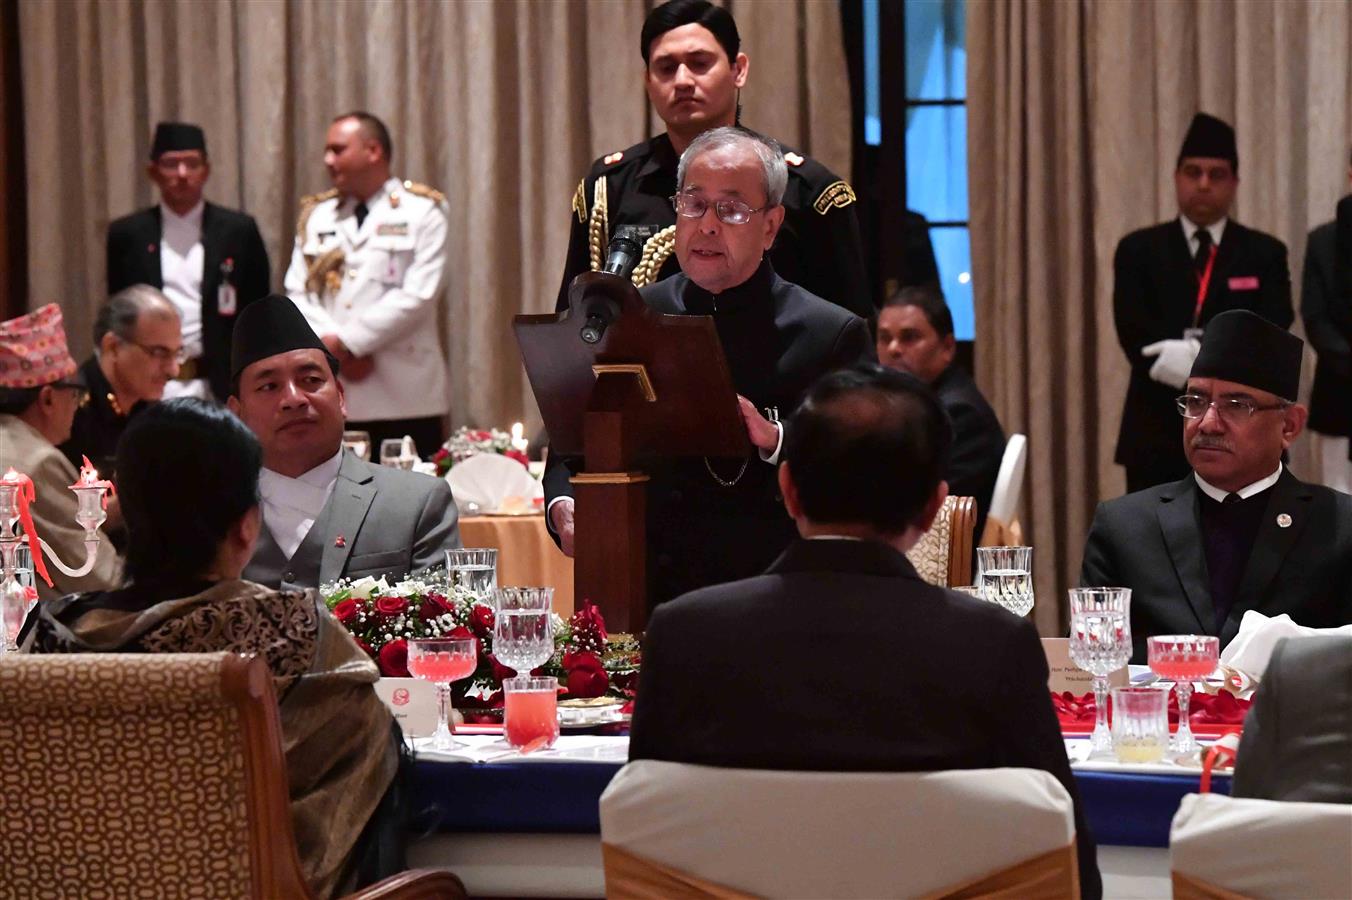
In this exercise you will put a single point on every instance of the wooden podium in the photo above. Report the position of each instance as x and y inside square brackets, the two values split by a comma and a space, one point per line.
[620, 384]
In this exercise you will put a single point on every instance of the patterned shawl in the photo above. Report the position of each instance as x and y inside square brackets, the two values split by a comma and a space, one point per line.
[336, 732]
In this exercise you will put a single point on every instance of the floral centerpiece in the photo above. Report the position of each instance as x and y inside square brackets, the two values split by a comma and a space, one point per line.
[383, 618]
[467, 442]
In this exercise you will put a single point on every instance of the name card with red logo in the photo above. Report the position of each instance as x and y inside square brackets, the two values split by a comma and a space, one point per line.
[1244, 283]
[412, 702]
[1064, 675]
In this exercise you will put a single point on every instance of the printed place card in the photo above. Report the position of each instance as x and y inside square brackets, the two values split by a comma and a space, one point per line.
[413, 703]
[1064, 675]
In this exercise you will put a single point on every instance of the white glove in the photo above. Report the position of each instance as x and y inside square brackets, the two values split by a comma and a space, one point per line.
[1175, 359]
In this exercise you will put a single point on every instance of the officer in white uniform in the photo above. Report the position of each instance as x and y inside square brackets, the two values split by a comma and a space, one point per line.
[367, 272]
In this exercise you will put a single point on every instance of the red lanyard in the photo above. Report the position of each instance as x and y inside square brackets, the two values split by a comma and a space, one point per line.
[1202, 286]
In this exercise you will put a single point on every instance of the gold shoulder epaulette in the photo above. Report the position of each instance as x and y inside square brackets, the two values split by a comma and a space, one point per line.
[422, 190]
[307, 206]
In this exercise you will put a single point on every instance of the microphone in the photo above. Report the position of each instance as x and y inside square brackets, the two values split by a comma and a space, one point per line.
[623, 253]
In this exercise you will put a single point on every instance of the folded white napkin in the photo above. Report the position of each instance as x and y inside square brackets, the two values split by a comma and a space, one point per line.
[1258, 634]
[485, 480]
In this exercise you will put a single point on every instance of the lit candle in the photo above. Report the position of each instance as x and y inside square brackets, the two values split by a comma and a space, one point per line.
[518, 441]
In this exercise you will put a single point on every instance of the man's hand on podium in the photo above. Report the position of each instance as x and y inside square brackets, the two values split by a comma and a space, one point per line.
[763, 433]
[561, 520]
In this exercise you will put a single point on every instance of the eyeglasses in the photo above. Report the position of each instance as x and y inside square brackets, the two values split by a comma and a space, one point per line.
[160, 354]
[1231, 409]
[729, 212]
[81, 392]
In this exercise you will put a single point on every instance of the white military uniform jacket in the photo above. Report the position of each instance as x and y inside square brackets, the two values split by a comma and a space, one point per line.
[378, 288]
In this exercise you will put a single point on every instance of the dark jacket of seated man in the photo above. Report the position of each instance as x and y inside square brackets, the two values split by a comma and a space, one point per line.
[1241, 532]
[839, 657]
[1297, 742]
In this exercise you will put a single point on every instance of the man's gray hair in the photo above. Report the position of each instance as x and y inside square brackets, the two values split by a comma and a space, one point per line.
[776, 174]
[122, 310]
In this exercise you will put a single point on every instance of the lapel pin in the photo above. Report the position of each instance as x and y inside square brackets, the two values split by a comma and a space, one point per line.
[340, 541]
[150, 248]
[1283, 521]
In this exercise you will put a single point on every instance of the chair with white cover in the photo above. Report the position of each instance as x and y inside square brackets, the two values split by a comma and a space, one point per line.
[676, 830]
[1002, 529]
[1224, 848]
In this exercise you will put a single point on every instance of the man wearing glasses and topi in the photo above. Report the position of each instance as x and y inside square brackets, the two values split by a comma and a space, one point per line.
[1240, 532]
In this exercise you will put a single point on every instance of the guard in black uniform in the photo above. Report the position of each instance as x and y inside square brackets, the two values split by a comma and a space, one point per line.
[693, 70]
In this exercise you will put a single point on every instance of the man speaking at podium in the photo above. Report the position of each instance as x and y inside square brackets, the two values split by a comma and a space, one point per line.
[715, 520]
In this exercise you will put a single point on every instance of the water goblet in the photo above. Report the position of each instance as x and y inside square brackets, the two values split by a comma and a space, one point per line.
[475, 569]
[523, 629]
[1100, 643]
[1183, 658]
[442, 661]
[1005, 576]
[359, 442]
[395, 455]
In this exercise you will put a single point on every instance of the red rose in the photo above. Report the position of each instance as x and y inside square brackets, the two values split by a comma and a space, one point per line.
[481, 620]
[365, 647]
[588, 620]
[517, 455]
[460, 631]
[346, 612]
[626, 683]
[393, 659]
[481, 435]
[586, 676]
[391, 607]
[434, 606]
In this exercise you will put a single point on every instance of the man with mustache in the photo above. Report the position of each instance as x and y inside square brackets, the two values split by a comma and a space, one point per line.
[1240, 532]
[326, 513]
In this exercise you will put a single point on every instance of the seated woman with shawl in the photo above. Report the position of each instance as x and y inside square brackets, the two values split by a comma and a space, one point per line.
[188, 480]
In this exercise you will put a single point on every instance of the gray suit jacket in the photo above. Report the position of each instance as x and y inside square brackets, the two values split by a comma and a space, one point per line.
[1297, 742]
[378, 521]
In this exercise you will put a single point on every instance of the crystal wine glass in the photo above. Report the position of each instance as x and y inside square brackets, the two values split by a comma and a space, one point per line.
[1100, 643]
[1005, 576]
[523, 631]
[475, 569]
[1182, 659]
[442, 661]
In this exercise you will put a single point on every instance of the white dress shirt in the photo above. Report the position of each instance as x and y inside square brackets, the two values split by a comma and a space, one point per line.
[181, 261]
[291, 505]
[1245, 492]
[1191, 228]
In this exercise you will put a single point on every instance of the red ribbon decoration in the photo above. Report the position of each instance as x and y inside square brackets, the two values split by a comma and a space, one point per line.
[26, 496]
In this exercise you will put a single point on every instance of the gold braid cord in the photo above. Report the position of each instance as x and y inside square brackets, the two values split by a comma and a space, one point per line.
[325, 273]
[655, 253]
[598, 230]
[307, 206]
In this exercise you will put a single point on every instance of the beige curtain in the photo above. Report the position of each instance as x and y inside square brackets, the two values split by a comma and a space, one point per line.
[501, 105]
[1076, 112]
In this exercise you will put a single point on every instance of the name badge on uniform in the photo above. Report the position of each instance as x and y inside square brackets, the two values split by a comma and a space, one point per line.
[392, 229]
[225, 291]
[1244, 283]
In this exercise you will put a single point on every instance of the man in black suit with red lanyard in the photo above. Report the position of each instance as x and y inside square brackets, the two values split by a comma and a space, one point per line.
[208, 260]
[1170, 280]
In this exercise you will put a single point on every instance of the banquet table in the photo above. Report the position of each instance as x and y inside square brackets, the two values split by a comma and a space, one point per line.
[527, 555]
[529, 826]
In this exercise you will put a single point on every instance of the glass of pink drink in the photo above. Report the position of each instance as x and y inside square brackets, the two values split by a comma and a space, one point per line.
[442, 661]
[531, 712]
[1183, 659]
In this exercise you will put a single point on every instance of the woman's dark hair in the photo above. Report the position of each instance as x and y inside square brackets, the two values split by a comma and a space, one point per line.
[868, 445]
[187, 471]
[676, 13]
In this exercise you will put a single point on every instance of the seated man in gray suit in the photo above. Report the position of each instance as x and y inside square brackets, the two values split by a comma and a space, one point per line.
[1297, 742]
[326, 513]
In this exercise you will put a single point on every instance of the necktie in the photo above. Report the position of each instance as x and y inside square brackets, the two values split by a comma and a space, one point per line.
[1231, 498]
[361, 212]
[1203, 250]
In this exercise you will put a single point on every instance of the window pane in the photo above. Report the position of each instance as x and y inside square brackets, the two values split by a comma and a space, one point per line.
[953, 253]
[936, 162]
[873, 123]
[936, 50]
